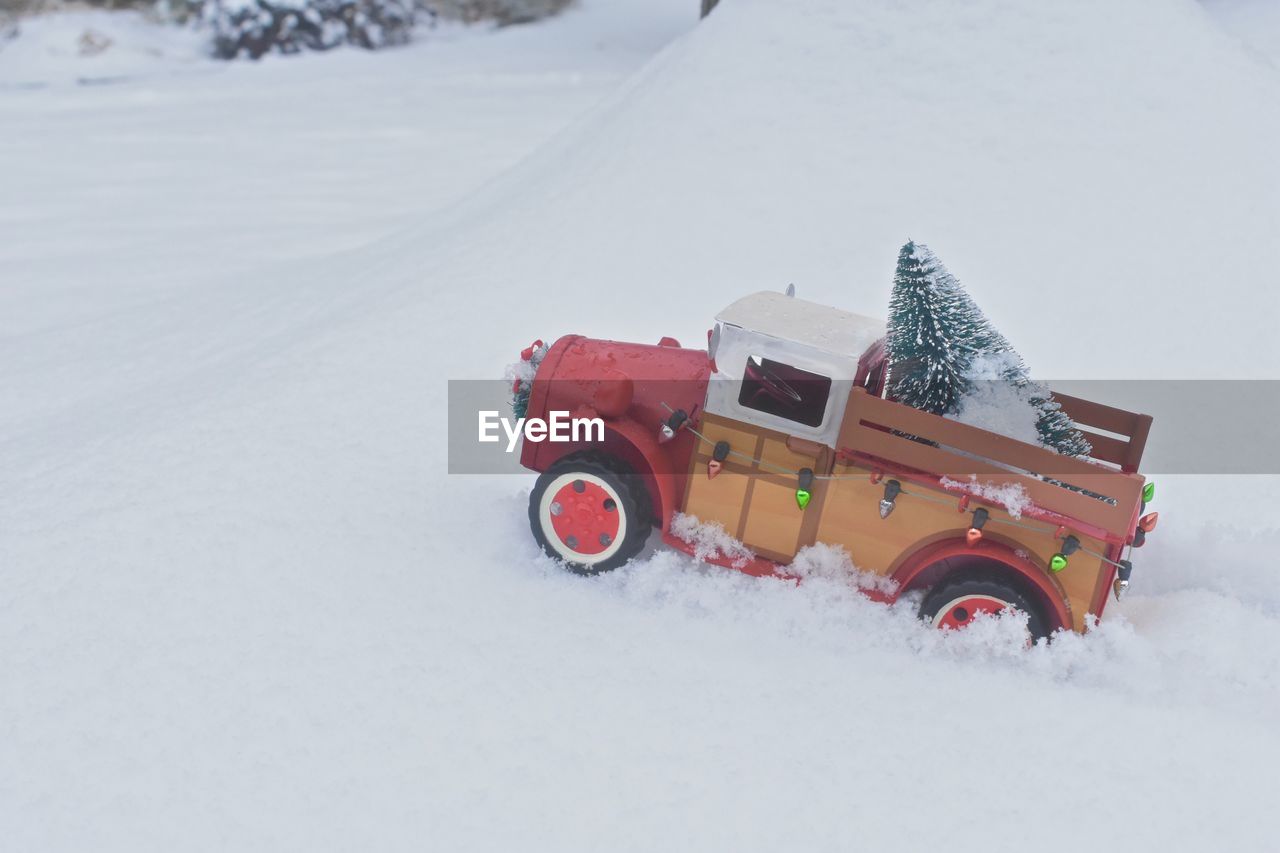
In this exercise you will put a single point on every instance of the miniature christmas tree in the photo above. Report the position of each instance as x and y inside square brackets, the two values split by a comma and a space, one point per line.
[940, 345]
[932, 334]
[1056, 429]
[521, 374]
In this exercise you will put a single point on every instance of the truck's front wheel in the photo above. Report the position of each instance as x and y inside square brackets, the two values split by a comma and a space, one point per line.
[590, 512]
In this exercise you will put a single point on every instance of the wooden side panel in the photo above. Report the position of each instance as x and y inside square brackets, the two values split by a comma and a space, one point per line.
[935, 460]
[756, 503]
[776, 452]
[1097, 415]
[882, 429]
[1079, 579]
[741, 437]
[1106, 448]
[723, 499]
[773, 520]
[1134, 427]
[851, 518]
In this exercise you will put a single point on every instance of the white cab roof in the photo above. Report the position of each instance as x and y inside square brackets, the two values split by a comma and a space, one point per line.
[790, 319]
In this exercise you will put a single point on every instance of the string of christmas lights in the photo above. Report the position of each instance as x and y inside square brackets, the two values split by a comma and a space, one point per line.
[893, 489]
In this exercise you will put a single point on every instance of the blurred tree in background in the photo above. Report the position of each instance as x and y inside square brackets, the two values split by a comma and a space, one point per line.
[502, 11]
[253, 28]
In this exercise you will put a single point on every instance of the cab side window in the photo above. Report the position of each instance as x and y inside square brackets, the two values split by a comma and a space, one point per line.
[784, 391]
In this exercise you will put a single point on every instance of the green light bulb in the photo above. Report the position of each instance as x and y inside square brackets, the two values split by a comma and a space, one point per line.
[1057, 562]
[802, 498]
[1148, 492]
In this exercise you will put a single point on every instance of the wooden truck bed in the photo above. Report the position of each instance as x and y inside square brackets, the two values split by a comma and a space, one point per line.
[938, 462]
[1103, 493]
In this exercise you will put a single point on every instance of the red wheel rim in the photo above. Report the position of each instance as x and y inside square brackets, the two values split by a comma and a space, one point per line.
[584, 516]
[961, 611]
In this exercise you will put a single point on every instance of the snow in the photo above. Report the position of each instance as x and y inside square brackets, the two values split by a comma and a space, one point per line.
[709, 540]
[93, 46]
[833, 563]
[1012, 407]
[1255, 23]
[995, 404]
[1012, 496]
[523, 370]
[246, 608]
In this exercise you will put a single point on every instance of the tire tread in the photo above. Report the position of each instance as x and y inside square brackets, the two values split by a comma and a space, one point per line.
[631, 492]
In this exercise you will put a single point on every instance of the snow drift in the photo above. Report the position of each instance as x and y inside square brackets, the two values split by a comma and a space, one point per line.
[1080, 169]
[245, 607]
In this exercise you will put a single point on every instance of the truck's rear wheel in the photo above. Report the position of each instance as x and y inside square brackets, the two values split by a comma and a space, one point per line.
[956, 603]
[589, 511]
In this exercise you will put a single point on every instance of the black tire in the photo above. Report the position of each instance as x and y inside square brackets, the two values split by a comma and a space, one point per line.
[613, 499]
[944, 605]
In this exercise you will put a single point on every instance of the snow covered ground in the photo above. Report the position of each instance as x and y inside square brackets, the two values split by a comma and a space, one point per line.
[245, 607]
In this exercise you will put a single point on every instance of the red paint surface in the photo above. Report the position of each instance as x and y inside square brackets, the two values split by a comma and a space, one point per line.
[626, 385]
[938, 556]
[588, 517]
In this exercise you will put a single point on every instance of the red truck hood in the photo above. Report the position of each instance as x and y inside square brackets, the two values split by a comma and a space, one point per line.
[631, 385]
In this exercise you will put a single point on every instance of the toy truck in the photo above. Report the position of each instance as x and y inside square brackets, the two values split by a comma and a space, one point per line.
[781, 432]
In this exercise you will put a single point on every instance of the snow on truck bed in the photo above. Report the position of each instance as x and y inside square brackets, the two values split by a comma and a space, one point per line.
[245, 608]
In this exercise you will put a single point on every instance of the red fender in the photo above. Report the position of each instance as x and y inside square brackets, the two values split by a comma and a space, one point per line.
[633, 388]
[929, 564]
[638, 447]
[644, 454]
